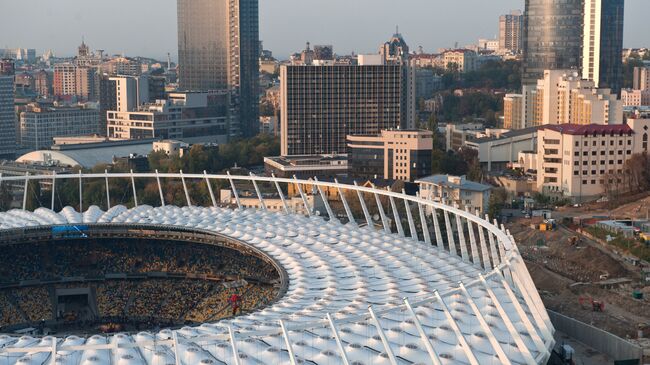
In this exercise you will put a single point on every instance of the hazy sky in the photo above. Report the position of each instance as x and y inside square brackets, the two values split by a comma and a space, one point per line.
[148, 27]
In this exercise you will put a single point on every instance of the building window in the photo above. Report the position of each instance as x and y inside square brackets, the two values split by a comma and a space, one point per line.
[593, 182]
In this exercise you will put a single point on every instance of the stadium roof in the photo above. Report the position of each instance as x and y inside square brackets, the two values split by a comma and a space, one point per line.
[358, 276]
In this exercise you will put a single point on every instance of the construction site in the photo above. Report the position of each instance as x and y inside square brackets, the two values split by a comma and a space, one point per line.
[583, 277]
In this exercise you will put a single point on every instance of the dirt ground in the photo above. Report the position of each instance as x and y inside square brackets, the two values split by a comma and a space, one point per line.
[564, 274]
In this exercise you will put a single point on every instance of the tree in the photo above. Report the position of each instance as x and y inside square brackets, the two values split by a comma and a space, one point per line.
[470, 157]
[497, 201]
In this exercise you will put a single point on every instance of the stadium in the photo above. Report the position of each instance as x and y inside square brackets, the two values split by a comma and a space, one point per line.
[400, 280]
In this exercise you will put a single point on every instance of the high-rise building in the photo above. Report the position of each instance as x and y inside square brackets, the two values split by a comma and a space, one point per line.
[552, 37]
[65, 80]
[7, 113]
[395, 50]
[563, 97]
[321, 105]
[85, 83]
[513, 108]
[218, 48]
[131, 92]
[603, 43]
[107, 100]
[510, 31]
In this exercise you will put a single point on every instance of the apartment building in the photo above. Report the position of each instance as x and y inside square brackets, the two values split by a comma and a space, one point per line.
[563, 97]
[394, 154]
[65, 79]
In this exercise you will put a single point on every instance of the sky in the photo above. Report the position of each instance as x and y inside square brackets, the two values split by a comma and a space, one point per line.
[148, 27]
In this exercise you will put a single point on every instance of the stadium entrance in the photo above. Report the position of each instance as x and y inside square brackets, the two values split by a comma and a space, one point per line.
[75, 305]
[130, 280]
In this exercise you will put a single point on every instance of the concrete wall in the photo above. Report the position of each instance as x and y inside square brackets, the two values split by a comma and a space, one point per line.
[605, 342]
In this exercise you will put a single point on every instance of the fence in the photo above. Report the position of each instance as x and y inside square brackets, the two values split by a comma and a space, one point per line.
[607, 343]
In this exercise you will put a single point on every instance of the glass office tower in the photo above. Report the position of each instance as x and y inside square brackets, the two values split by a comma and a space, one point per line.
[608, 46]
[552, 37]
[218, 48]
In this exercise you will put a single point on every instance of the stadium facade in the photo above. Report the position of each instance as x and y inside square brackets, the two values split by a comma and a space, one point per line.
[405, 281]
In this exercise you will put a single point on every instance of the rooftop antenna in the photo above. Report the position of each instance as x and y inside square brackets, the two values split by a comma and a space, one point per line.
[169, 61]
[397, 29]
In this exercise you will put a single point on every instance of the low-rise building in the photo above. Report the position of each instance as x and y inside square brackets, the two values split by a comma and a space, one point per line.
[579, 161]
[455, 191]
[305, 167]
[193, 117]
[461, 60]
[170, 147]
[457, 134]
[393, 154]
[635, 97]
[497, 150]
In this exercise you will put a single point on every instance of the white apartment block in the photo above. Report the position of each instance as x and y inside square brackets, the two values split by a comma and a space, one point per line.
[576, 160]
